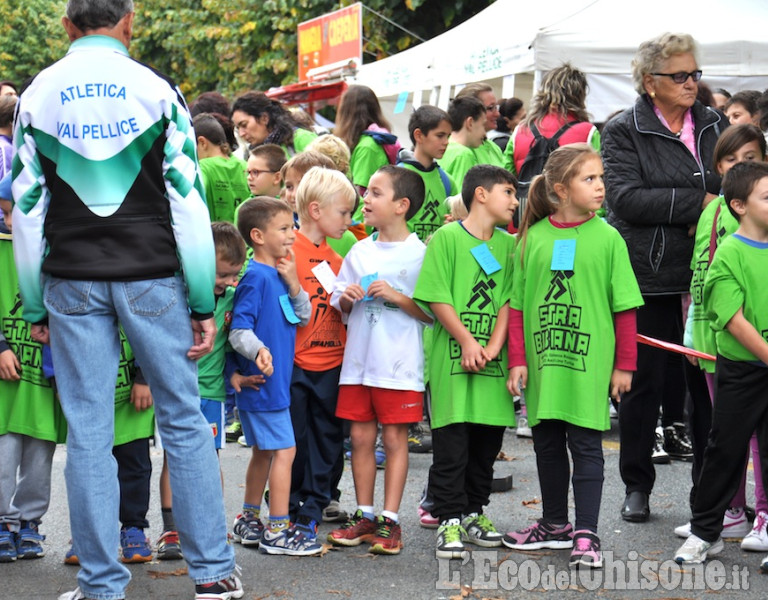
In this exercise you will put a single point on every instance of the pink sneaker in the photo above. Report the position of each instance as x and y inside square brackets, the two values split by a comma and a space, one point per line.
[427, 520]
[586, 550]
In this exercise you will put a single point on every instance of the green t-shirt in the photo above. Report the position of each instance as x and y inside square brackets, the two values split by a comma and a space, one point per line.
[703, 335]
[210, 368]
[301, 139]
[431, 215]
[451, 275]
[367, 158]
[343, 244]
[29, 406]
[226, 186]
[568, 318]
[489, 154]
[736, 279]
[130, 424]
[457, 160]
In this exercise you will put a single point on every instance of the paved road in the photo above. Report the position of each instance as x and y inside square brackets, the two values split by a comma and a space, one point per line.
[635, 569]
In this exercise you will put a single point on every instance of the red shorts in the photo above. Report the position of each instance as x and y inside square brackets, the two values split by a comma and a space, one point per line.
[389, 407]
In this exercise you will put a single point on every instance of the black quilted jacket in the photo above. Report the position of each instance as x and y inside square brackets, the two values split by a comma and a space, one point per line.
[654, 190]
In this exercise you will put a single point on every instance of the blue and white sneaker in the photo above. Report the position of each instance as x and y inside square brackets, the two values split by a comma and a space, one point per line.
[28, 541]
[7, 544]
[291, 541]
[247, 529]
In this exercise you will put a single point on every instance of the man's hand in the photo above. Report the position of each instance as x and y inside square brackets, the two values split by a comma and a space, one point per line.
[204, 333]
[40, 333]
[239, 381]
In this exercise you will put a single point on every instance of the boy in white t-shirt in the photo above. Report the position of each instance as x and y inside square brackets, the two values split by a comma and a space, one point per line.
[382, 374]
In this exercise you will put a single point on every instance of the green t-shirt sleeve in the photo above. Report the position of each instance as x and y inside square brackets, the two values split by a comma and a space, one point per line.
[509, 156]
[723, 294]
[434, 283]
[343, 245]
[625, 292]
[367, 157]
[458, 165]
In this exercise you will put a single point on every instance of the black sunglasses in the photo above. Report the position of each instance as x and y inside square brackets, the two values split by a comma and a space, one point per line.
[681, 76]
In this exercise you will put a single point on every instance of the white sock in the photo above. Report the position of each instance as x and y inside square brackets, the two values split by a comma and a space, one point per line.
[390, 515]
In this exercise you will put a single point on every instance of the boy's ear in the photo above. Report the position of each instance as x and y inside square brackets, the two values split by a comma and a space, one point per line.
[403, 204]
[277, 178]
[480, 193]
[418, 136]
[314, 210]
[739, 206]
[257, 236]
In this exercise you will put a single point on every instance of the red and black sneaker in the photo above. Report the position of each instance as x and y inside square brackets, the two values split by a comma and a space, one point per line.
[224, 589]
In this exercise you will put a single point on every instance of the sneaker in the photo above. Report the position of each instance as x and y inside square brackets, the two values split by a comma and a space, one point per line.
[242, 442]
[586, 550]
[134, 546]
[523, 430]
[540, 535]
[307, 526]
[7, 545]
[247, 529]
[695, 550]
[450, 540]
[735, 524]
[683, 531]
[291, 541]
[388, 537]
[426, 519]
[169, 547]
[333, 513]
[71, 558]
[381, 457]
[677, 443]
[659, 456]
[764, 566]
[233, 431]
[224, 589]
[419, 441]
[757, 539]
[75, 594]
[28, 541]
[354, 532]
[480, 531]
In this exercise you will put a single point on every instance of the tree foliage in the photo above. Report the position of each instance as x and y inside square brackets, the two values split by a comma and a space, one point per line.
[226, 45]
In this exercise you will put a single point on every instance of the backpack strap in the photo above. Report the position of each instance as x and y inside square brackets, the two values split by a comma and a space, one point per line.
[559, 133]
[446, 181]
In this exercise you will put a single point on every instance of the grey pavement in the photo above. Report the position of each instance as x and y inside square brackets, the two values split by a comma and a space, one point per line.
[637, 555]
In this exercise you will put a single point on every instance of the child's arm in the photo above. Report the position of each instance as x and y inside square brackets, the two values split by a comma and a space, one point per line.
[625, 327]
[286, 267]
[746, 334]
[245, 342]
[499, 334]
[473, 355]
[10, 367]
[237, 379]
[518, 368]
[351, 294]
[381, 289]
[141, 397]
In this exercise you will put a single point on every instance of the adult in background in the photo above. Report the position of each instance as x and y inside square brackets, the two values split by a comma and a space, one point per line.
[488, 153]
[659, 177]
[8, 88]
[108, 210]
[511, 112]
[260, 120]
[7, 108]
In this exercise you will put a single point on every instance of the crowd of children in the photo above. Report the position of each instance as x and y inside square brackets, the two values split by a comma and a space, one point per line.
[307, 318]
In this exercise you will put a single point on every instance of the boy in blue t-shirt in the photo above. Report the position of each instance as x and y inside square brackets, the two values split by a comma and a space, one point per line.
[269, 304]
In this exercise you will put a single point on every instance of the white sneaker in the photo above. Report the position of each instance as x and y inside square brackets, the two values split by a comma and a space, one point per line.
[735, 523]
[683, 531]
[522, 427]
[757, 539]
[76, 594]
[695, 550]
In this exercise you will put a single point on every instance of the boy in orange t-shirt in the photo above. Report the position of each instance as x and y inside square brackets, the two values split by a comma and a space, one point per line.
[325, 200]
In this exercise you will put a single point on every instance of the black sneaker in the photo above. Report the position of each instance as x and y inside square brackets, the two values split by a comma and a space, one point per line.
[659, 456]
[419, 442]
[224, 589]
[677, 443]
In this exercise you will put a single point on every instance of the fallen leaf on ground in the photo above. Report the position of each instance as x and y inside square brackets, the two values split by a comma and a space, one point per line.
[163, 574]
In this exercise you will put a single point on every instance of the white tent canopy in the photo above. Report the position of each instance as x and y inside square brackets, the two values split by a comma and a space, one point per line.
[600, 37]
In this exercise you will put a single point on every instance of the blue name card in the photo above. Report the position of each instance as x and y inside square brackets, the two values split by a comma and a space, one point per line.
[367, 280]
[563, 255]
[288, 312]
[485, 259]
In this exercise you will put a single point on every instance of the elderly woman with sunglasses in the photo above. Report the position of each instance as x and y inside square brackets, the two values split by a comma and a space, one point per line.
[659, 177]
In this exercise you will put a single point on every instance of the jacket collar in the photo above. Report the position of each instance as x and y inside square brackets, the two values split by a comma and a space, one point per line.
[646, 121]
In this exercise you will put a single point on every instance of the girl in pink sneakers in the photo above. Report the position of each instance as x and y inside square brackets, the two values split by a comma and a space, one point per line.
[572, 321]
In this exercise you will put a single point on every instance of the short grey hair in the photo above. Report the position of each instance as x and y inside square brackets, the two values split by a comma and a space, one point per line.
[654, 52]
[88, 15]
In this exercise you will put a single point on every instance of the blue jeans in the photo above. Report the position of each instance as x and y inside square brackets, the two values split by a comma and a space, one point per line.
[83, 321]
